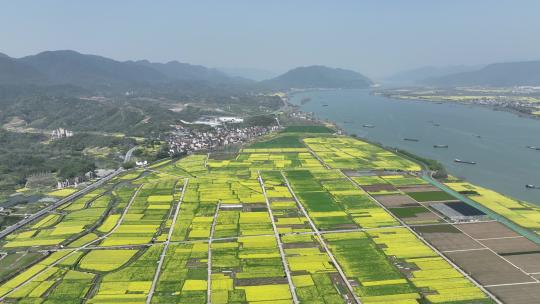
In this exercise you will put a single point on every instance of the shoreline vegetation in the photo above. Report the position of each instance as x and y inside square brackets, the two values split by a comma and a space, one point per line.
[433, 165]
[438, 170]
[528, 107]
[522, 106]
[515, 188]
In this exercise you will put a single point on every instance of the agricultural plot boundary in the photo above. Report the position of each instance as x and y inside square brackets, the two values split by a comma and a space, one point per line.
[278, 239]
[281, 224]
[77, 249]
[323, 243]
[466, 275]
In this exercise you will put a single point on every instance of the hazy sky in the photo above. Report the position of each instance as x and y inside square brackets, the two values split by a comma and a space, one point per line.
[373, 37]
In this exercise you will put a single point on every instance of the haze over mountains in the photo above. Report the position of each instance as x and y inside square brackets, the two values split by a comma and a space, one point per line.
[319, 77]
[498, 75]
[90, 71]
[418, 75]
[70, 67]
[249, 73]
[525, 73]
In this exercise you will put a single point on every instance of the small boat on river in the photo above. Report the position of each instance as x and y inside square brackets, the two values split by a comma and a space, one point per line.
[457, 160]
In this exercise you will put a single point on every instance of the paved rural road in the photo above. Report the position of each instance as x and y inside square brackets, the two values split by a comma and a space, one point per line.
[84, 246]
[209, 264]
[44, 211]
[167, 243]
[127, 157]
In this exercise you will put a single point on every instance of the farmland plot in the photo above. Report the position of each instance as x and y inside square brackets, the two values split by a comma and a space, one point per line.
[277, 222]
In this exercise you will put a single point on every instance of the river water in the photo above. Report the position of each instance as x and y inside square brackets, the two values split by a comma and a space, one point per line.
[496, 140]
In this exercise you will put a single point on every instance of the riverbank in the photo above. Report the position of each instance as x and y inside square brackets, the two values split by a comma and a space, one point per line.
[522, 109]
[496, 140]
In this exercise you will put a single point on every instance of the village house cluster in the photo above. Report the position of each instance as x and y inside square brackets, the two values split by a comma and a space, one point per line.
[75, 181]
[187, 140]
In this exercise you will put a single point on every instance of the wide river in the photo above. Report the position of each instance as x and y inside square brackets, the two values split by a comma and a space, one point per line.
[496, 140]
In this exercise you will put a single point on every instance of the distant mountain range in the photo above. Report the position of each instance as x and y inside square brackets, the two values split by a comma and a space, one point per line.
[91, 71]
[496, 75]
[187, 72]
[249, 73]
[70, 67]
[317, 76]
[419, 75]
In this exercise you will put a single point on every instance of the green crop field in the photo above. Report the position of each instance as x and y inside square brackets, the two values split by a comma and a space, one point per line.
[431, 196]
[278, 222]
[408, 211]
[285, 141]
[308, 129]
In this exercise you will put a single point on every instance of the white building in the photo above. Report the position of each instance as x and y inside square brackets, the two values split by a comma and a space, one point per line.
[61, 133]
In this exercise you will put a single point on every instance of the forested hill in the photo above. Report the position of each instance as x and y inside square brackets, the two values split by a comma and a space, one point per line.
[13, 72]
[318, 77]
